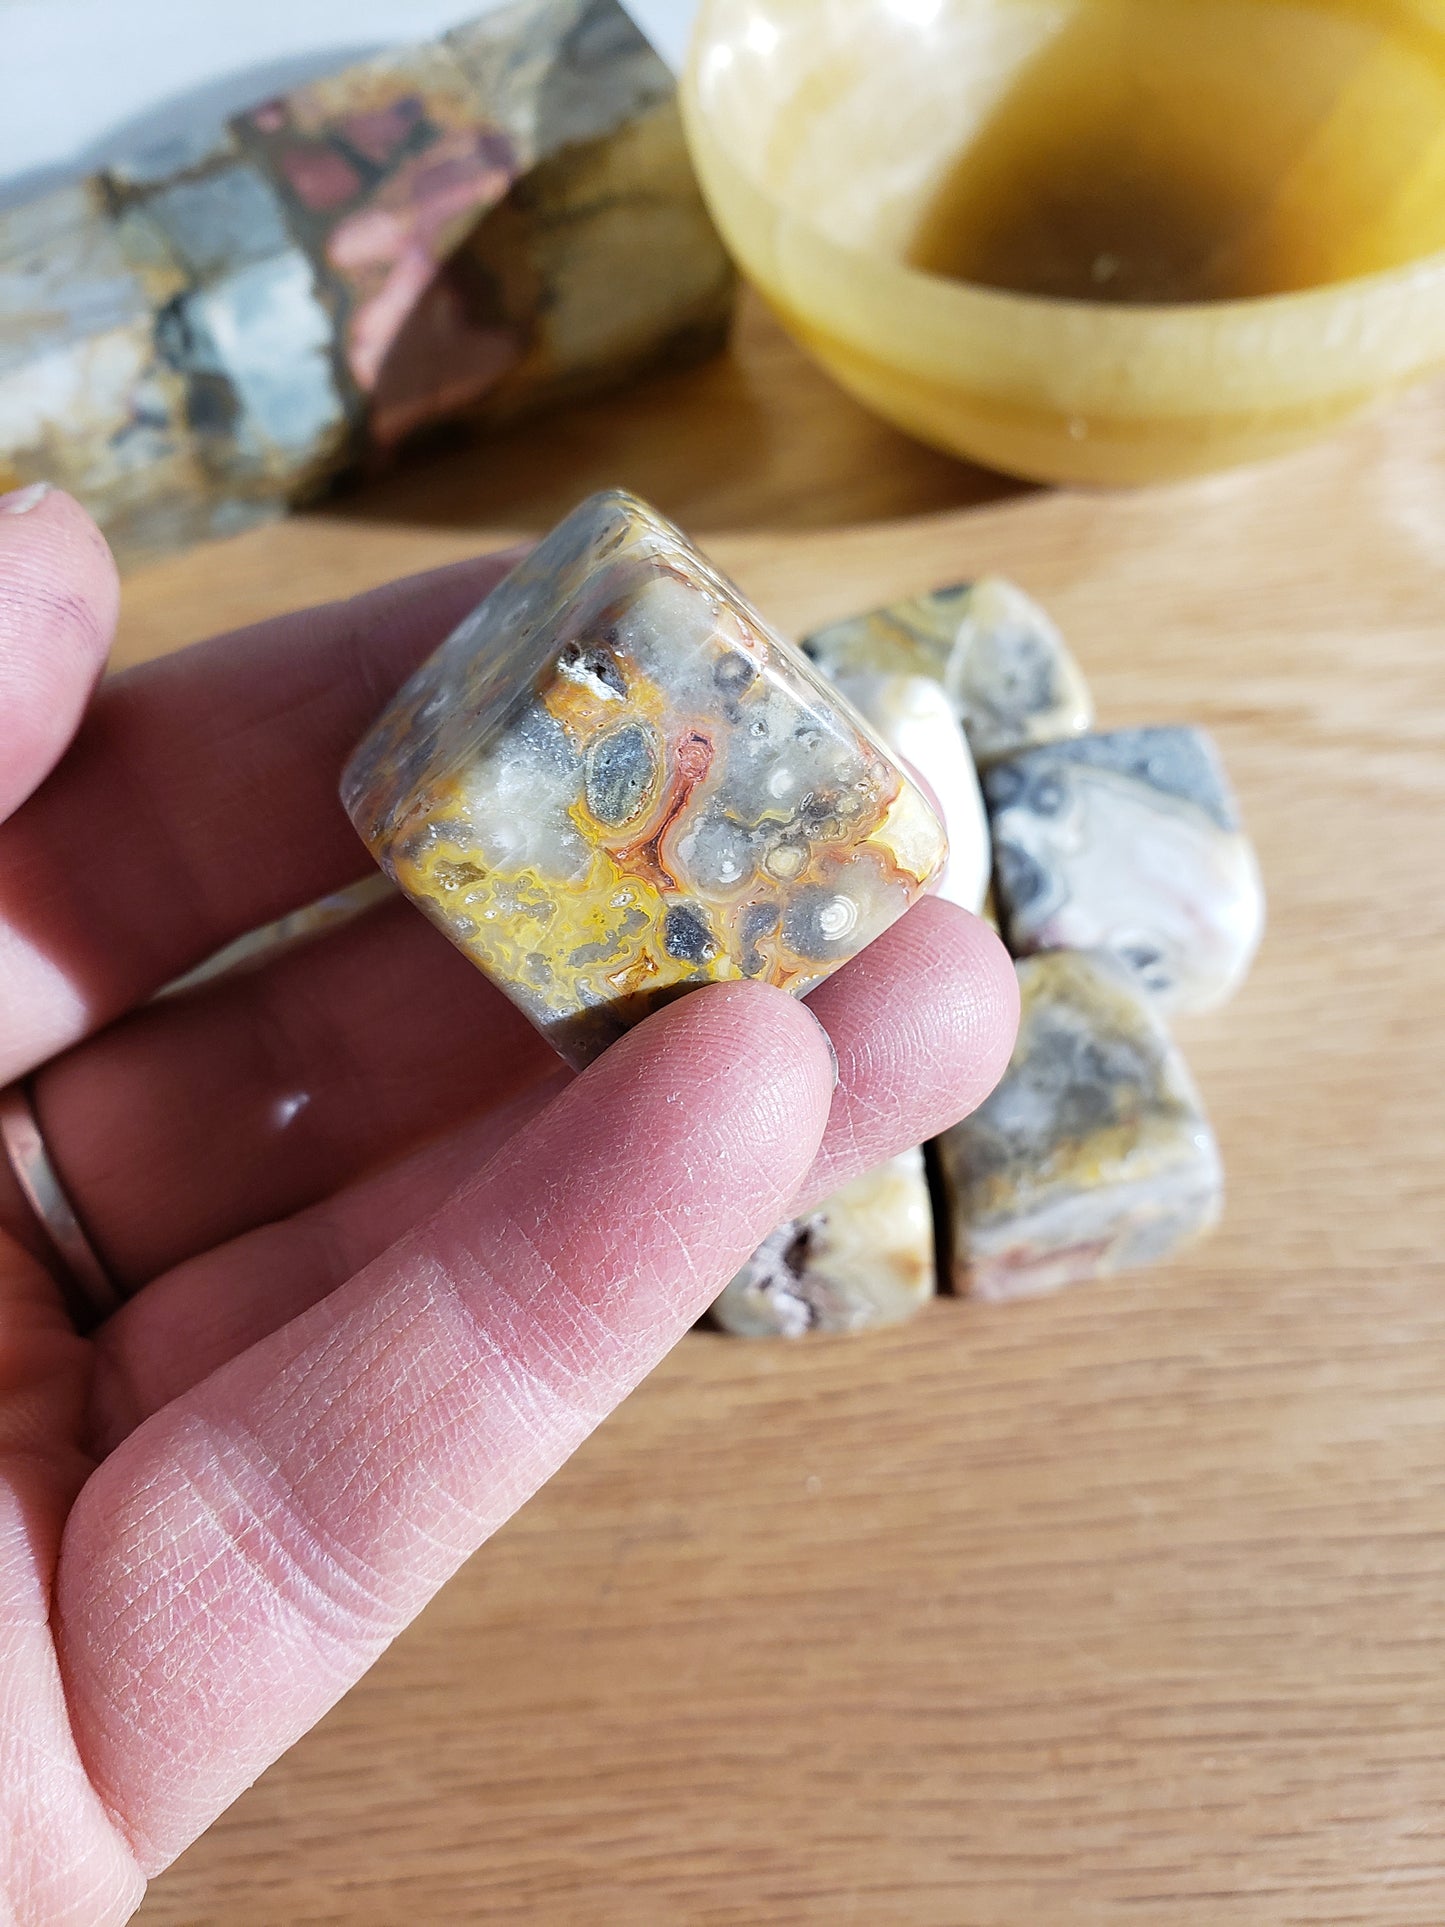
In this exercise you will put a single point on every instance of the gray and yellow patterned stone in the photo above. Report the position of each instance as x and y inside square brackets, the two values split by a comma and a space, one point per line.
[1129, 841]
[1093, 1154]
[472, 229]
[614, 782]
[863, 1259]
[1005, 667]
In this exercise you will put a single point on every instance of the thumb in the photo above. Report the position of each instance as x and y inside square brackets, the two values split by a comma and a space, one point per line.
[58, 602]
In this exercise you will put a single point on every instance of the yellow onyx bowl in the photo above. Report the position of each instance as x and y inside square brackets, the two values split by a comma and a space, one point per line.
[1093, 241]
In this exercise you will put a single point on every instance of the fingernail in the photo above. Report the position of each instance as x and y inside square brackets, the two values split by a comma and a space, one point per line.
[823, 1030]
[20, 501]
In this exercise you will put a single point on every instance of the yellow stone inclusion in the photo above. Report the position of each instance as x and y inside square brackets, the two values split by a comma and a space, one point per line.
[522, 916]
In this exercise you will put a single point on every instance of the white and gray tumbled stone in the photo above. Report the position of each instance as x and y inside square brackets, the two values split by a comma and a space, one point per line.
[1092, 1155]
[1129, 841]
[863, 1259]
[1003, 663]
[913, 716]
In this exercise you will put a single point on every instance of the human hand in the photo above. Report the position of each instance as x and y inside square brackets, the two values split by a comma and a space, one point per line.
[385, 1263]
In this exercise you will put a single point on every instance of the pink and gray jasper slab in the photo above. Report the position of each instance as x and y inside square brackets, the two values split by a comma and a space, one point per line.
[472, 229]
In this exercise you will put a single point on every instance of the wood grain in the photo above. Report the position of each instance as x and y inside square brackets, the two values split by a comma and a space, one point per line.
[1120, 1606]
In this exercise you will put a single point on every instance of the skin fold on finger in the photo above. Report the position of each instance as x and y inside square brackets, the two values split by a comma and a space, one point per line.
[197, 802]
[251, 1097]
[61, 1860]
[922, 1023]
[200, 1315]
[58, 600]
[249, 1551]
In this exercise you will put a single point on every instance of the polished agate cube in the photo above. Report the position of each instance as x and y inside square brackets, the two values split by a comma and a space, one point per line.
[1129, 841]
[863, 1259]
[614, 782]
[1093, 1154]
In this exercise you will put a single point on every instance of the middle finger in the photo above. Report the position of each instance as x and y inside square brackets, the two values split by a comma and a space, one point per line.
[247, 1098]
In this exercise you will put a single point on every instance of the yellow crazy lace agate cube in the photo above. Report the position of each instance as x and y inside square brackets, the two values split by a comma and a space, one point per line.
[614, 782]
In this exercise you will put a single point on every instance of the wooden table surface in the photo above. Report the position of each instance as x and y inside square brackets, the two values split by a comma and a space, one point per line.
[1122, 1606]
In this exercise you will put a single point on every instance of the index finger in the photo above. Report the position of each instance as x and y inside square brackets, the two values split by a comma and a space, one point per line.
[197, 802]
[58, 595]
[249, 1551]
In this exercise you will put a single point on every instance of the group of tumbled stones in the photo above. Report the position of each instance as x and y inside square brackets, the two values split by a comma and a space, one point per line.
[1125, 888]
[615, 782]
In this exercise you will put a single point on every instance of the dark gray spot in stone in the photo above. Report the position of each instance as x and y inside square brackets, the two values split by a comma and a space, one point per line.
[1176, 761]
[621, 770]
[1003, 785]
[1026, 681]
[1021, 881]
[593, 663]
[686, 936]
[759, 920]
[817, 805]
[777, 1275]
[1146, 961]
[1070, 1080]
[811, 927]
[1049, 794]
[212, 407]
[734, 673]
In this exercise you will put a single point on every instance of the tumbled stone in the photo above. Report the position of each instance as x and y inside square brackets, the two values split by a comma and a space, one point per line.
[1005, 667]
[1093, 1153]
[1130, 842]
[915, 719]
[864, 1258]
[472, 229]
[614, 782]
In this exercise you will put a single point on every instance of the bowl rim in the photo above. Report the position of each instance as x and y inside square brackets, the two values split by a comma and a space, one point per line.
[1353, 289]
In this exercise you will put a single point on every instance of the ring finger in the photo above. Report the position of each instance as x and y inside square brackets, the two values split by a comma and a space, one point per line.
[249, 1097]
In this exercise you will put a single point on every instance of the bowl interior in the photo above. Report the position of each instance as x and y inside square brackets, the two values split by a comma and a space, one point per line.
[1111, 151]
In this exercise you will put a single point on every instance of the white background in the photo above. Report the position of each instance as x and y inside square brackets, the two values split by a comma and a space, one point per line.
[84, 80]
